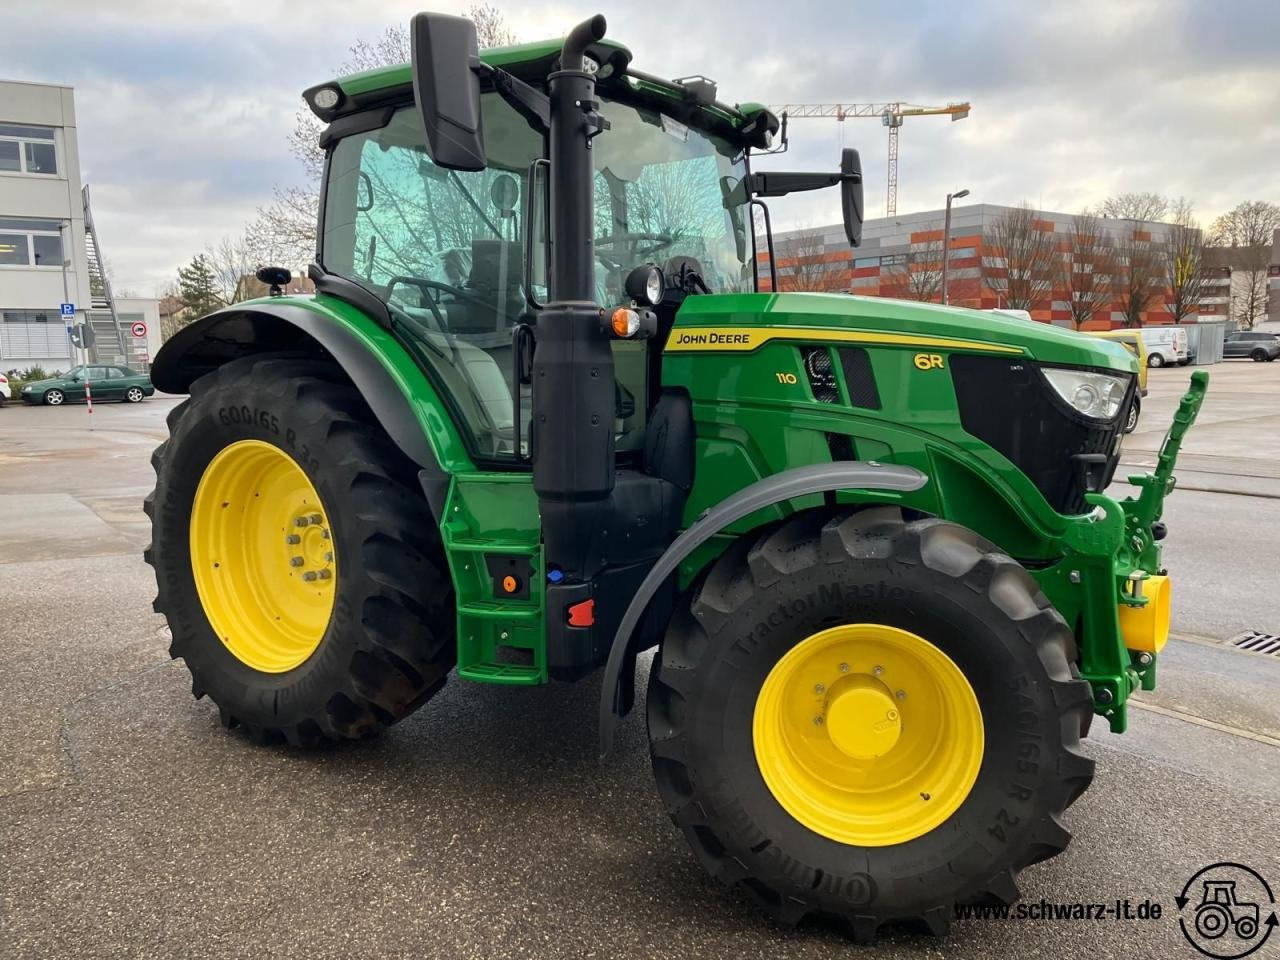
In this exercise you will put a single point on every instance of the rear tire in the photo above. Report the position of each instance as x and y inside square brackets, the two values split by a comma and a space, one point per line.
[388, 642]
[134, 395]
[765, 597]
[1258, 356]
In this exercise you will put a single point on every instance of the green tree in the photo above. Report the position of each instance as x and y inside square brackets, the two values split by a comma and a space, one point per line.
[198, 286]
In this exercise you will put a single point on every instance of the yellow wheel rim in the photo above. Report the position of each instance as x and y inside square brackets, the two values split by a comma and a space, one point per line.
[262, 556]
[868, 734]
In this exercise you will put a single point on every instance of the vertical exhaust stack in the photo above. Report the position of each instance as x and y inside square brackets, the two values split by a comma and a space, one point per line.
[573, 378]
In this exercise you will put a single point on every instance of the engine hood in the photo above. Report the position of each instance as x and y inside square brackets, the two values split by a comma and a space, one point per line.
[742, 321]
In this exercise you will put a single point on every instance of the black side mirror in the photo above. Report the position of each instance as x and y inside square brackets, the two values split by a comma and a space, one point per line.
[447, 89]
[851, 194]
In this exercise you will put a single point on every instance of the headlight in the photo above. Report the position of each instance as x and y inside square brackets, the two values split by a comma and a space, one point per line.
[644, 285]
[326, 98]
[1095, 395]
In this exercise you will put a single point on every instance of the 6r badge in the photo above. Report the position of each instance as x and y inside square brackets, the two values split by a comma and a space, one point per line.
[1226, 911]
[928, 361]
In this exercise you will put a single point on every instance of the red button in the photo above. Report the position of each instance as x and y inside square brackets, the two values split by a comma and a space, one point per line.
[583, 614]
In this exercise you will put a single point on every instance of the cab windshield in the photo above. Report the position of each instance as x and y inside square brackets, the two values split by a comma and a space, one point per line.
[444, 249]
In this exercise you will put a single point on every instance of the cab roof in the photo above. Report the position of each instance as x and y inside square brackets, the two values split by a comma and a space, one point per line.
[532, 62]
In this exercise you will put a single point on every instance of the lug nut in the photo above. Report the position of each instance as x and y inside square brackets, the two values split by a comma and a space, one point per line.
[300, 521]
[901, 694]
[293, 538]
[844, 668]
[817, 721]
[309, 576]
[324, 534]
[328, 557]
[326, 574]
[1144, 659]
[295, 561]
[819, 688]
[877, 670]
[316, 519]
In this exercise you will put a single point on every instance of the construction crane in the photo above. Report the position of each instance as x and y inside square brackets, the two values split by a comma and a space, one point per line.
[890, 114]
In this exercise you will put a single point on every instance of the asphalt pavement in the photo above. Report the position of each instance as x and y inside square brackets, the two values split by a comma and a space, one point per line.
[132, 825]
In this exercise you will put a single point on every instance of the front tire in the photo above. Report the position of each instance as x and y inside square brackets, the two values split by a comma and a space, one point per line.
[1131, 420]
[866, 843]
[1155, 360]
[54, 398]
[298, 566]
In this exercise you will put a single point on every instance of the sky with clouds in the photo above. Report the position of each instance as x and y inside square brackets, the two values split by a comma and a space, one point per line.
[184, 108]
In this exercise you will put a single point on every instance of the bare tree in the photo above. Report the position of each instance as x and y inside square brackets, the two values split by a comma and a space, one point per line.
[231, 260]
[810, 270]
[1088, 267]
[1248, 230]
[1028, 255]
[283, 232]
[1184, 262]
[1143, 207]
[918, 275]
[1139, 272]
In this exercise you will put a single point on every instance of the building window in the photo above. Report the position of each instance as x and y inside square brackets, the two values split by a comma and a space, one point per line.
[30, 243]
[866, 262]
[15, 250]
[27, 150]
[893, 260]
[33, 335]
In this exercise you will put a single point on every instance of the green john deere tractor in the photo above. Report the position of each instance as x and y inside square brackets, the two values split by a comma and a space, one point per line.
[540, 416]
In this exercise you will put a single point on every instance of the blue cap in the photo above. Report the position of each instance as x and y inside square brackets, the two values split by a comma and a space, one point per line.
[555, 574]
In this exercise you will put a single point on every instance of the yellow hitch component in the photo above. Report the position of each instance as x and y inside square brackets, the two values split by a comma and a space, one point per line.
[1146, 628]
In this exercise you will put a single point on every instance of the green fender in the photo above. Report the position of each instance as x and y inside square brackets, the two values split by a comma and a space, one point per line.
[398, 391]
[778, 488]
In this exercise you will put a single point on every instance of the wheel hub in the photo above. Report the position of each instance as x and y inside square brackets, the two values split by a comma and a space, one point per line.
[862, 719]
[262, 555]
[868, 734]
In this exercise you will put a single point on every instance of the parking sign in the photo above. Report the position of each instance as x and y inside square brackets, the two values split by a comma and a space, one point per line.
[68, 309]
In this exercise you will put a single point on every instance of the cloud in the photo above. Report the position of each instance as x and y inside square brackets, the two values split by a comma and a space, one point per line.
[184, 107]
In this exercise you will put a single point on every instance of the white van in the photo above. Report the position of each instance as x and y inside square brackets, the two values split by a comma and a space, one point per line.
[1166, 346]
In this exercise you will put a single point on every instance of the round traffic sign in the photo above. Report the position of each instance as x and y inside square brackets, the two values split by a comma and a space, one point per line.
[138, 329]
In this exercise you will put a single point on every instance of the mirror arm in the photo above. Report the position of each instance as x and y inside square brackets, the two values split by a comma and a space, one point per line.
[776, 184]
[531, 104]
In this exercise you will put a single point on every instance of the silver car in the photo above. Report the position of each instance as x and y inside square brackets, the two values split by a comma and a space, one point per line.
[1251, 344]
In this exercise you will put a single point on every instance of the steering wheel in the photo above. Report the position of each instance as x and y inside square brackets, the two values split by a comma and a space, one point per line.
[660, 242]
[433, 302]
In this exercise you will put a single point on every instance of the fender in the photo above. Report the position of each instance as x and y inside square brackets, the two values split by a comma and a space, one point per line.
[787, 485]
[396, 390]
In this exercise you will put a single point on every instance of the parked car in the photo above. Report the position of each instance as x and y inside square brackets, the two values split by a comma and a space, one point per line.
[1131, 340]
[105, 382]
[1251, 344]
[1166, 346]
[5, 392]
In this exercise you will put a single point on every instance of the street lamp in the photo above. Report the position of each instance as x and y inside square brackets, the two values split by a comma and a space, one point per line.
[946, 238]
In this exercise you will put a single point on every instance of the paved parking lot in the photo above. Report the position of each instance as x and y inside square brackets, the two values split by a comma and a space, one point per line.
[132, 825]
